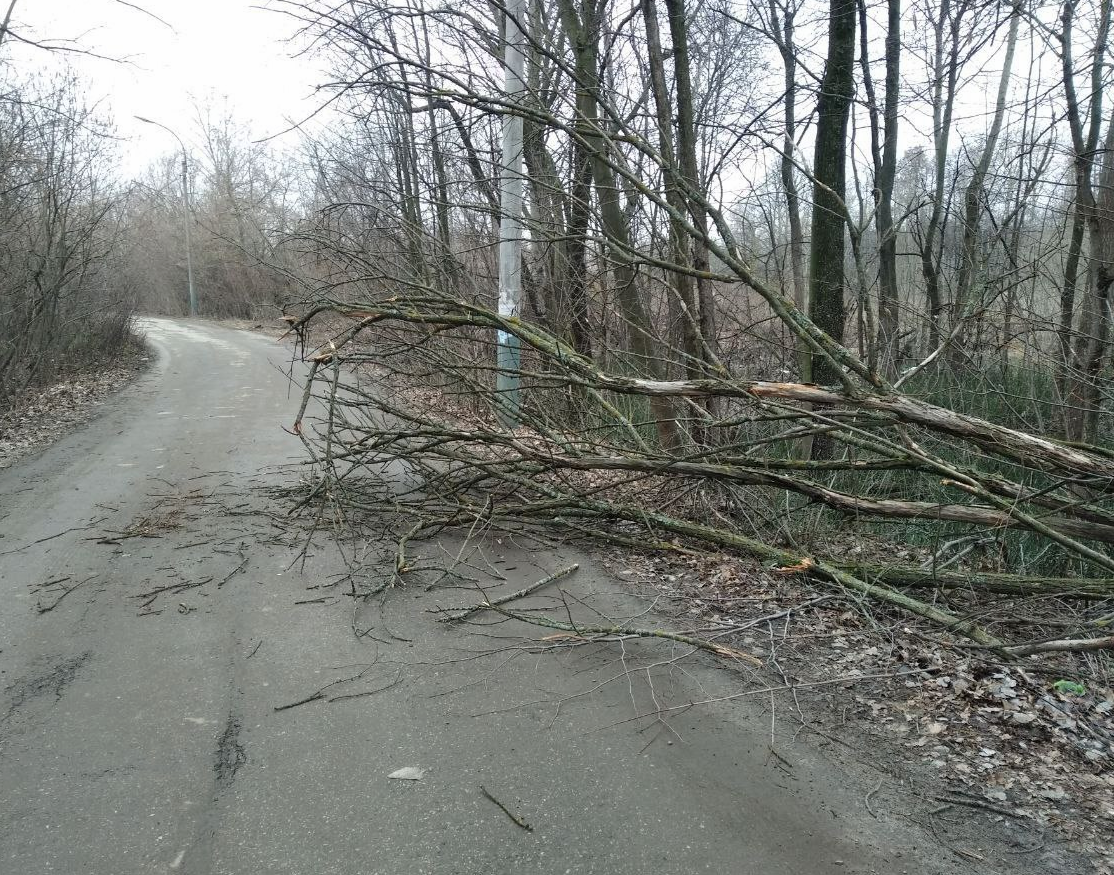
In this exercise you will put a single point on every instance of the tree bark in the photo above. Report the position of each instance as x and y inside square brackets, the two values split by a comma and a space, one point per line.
[826, 257]
[679, 239]
[690, 171]
[783, 35]
[1083, 357]
[1092, 344]
[945, 72]
[888, 302]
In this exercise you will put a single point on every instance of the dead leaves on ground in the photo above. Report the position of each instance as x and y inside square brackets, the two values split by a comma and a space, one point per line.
[1009, 734]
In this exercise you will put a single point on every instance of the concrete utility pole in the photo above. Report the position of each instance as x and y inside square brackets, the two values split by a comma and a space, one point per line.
[186, 211]
[510, 223]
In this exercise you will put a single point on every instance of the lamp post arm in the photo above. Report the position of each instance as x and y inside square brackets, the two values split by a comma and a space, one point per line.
[185, 208]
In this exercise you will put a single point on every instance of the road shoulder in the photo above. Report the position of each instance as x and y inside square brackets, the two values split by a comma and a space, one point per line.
[40, 417]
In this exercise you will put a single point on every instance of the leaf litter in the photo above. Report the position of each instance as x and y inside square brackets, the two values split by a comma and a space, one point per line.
[1031, 740]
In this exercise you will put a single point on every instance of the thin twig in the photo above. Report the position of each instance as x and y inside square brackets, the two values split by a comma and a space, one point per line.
[877, 787]
[978, 803]
[518, 821]
[630, 632]
[522, 593]
[46, 609]
[232, 573]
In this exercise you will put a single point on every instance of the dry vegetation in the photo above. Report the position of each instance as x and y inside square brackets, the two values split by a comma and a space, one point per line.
[64, 308]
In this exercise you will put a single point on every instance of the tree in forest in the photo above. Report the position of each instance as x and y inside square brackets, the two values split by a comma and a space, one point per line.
[62, 305]
[827, 244]
[242, 206]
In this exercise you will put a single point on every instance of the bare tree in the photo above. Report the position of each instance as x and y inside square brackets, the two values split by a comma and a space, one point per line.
[829, 228]
[62, 307]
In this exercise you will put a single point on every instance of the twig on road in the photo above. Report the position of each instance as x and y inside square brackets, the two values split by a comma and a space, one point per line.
[42, 540]
[630, 632]
[360, 695]
[46, 584]
[517, 820]
[46, 609]
[322, 694]
[522, 593]
[955, 799]
[866, 801]
[233, 573]
[151, 595]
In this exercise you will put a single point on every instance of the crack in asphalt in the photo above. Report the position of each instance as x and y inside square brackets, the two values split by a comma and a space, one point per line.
[231, 755]
[53, 681]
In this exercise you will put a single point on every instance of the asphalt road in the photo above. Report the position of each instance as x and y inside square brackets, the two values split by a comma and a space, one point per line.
[139, 730]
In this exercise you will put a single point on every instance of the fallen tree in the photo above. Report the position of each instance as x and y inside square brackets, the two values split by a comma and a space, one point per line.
[600, 473]
[652, 388]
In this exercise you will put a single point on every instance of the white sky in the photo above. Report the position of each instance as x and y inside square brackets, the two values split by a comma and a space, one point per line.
[217, 49]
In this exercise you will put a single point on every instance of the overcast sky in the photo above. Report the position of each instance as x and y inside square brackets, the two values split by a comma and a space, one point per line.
[240, 50]
[212, 49]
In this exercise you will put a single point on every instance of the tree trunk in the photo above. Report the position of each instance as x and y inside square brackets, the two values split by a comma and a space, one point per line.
[888, 304]
[974, 195]
[783, 36]
[1093, 341]
[679, 239]
[1079, 412]
[690, 170]
[583, 29]
[945, 72]
[826, 259]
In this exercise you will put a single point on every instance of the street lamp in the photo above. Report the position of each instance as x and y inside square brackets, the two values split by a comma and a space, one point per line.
[186, 209]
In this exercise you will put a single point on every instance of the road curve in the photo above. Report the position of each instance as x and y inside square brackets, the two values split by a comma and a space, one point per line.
[151, 623]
